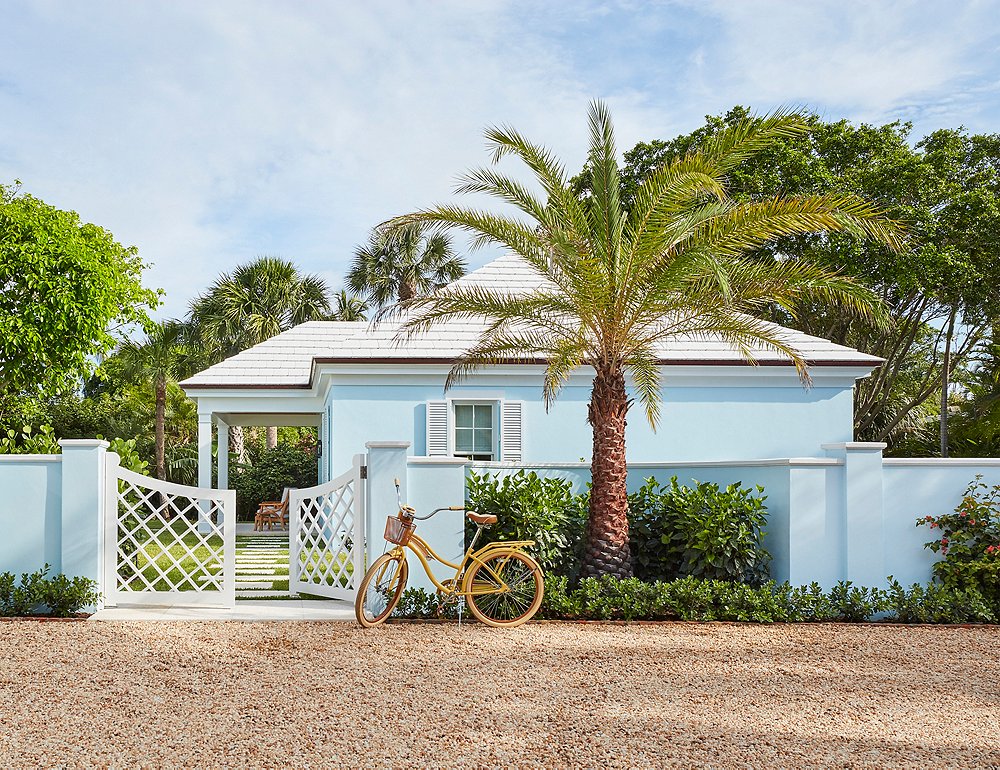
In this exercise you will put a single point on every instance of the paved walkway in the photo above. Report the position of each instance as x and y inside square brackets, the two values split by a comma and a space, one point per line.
[262, 565]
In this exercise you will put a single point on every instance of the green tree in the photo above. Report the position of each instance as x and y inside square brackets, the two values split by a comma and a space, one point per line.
[400, 263]
[254, 303]
[67, 289]
[161, 359]
[618, 283]
[938, 291]
[347, 307]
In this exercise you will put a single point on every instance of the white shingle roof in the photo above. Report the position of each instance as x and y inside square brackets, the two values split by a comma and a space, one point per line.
[287, 359]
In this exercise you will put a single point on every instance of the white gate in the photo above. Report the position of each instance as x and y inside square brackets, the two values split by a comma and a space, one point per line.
[167, 543]
[327, 536]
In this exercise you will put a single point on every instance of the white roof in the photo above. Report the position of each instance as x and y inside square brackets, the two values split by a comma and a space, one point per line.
[287, 360]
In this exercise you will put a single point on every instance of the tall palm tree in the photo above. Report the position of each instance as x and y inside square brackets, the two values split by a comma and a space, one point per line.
[163, 357]
[617, 284]
[347, 307]
[400, 263]
[255, 302]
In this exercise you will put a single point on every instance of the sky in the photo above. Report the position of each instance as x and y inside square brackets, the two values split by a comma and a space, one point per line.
[209, 132]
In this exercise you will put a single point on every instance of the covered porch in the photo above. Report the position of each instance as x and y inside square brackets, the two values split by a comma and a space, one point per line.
[220, 412]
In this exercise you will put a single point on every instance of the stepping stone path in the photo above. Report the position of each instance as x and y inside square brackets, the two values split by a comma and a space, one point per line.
[262, 566]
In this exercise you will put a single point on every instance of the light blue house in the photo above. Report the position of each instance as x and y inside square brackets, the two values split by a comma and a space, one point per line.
[357, 383]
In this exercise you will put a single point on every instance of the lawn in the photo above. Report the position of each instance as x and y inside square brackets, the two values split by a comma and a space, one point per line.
[551, 695]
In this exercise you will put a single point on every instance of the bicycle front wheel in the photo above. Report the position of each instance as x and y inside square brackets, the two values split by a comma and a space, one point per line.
[380, 589]
[505, 589]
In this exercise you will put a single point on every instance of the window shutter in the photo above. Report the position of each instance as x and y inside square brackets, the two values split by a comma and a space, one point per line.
[510, 431]
[437, 428]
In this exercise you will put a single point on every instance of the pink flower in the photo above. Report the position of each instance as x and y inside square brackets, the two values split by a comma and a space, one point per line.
[944, 541]
[973, 522]
[933, 525]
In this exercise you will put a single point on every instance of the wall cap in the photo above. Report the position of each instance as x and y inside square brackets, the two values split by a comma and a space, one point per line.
[437, 461]
[83, 443]
[766, 463]
[387, 444]
[30, 458]
[863, 446]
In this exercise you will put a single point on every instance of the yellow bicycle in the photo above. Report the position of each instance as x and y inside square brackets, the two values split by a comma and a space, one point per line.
[500, 583]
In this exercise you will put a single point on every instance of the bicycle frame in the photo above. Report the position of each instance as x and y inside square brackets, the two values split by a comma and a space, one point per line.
[425, 554]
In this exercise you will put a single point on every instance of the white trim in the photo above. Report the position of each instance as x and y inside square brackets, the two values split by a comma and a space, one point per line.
[416, 460]
[52, 458]
[766, 463]
[84, 442]
[855, 446]
[500, 376]
[387, 444]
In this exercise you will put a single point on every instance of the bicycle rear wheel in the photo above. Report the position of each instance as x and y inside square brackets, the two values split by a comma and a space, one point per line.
[505, 589]
[380, 589]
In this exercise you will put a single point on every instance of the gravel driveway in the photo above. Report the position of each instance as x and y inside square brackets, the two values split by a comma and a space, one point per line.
[553, 695]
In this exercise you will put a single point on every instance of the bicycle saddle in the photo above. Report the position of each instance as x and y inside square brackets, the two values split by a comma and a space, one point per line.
[481, 518]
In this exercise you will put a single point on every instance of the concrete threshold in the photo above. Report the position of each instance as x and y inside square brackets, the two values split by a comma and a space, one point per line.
[260, 610]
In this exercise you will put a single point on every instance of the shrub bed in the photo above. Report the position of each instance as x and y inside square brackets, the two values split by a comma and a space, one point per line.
[691, 598]
[37, 594]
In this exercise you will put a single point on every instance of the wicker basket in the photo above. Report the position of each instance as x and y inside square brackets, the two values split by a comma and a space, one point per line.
[398, 531]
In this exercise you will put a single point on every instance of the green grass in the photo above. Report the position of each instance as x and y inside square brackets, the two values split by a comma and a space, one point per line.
[157, 554]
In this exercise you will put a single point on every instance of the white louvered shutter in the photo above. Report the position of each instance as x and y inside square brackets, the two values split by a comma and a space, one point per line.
[437, 428]
[510, 431]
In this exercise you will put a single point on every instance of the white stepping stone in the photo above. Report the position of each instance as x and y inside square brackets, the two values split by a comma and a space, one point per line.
[257, 584]
[255, 572]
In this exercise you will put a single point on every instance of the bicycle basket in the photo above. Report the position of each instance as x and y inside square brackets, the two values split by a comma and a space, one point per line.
[398, 531]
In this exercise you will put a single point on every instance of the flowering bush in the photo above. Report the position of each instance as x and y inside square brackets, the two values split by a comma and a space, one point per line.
[969, 541]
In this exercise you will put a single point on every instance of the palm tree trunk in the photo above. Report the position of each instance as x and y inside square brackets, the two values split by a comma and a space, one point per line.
[272, 437]
[406, 291]
[607, 548]
[160, 427]
[239, 445]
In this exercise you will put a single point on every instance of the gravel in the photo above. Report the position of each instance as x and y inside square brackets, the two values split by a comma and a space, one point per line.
[192, 694]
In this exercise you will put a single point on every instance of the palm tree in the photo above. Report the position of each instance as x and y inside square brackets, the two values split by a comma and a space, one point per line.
[618, 284]
[348, 307]
[253, 303]
[163, 357]
[400, 263]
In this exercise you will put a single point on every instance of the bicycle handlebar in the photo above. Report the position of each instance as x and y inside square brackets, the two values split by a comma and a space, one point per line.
[438, 510]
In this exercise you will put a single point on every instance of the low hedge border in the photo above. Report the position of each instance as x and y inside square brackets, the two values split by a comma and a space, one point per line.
[691, 599]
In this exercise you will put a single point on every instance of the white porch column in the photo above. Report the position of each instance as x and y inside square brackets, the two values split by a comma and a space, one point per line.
[205, 449]
[204, 463]
[223, 454]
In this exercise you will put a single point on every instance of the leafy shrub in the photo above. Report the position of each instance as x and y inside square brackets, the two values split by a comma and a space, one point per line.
[970, 543]
[703, 531]
[286, 465]
[528, 507]
[128, 455]
[38, 594]
[30, 442]
[936, 603]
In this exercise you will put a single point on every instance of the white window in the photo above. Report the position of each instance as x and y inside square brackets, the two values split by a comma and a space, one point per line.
[479, 430]
[475, 431]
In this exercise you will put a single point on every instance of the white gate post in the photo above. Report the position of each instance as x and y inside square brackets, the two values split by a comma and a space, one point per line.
[109, 585]
[204, 464]
[386, 462]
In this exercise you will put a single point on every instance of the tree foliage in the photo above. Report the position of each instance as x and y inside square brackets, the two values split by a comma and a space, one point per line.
[400, 263]
[66, 289]
[945, 188]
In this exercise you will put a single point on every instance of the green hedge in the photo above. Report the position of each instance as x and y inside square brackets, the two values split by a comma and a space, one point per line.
[690, 598]
[38, 594]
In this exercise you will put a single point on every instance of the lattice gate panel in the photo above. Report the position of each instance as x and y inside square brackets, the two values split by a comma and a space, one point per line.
[167, 543]
[327, 536]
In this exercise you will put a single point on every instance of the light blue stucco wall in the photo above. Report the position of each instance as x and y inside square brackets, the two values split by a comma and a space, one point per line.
[913, 489]
[30, 513]
[697, 423]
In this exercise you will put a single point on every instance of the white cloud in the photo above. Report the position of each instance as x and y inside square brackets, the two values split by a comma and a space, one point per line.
[207, 133]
